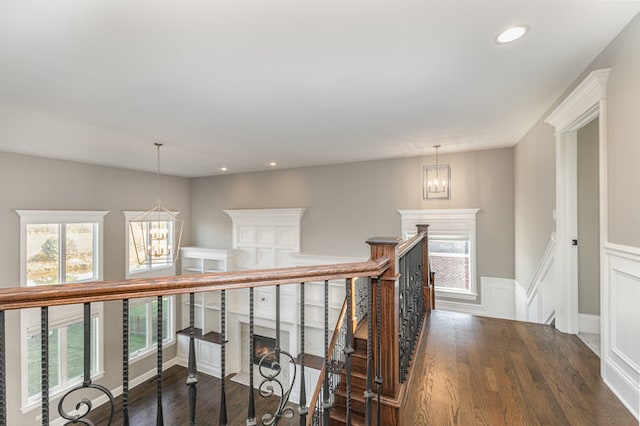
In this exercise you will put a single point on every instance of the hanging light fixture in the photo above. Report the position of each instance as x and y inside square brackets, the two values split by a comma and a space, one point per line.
[436, 180]
[156, 233]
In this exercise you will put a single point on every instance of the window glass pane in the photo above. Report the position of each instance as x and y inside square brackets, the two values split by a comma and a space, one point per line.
[80, 243]
[137, 328]
[137, 232]
[450, 261]
[33, 361]
[42, 254]
[449, 246]
[154, 320]
[75, 350]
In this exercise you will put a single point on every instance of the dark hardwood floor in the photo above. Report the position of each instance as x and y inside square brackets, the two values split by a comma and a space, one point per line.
[468, 371]
[142, 403]
[483, 371]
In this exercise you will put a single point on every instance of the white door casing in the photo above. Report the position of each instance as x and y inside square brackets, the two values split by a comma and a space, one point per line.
[585, 103]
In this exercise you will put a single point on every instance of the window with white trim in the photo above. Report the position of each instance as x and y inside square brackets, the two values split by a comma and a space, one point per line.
[143, 312]
[452, 248]
[450, 258]
[143, 325]
[145, 231]
[59, 247]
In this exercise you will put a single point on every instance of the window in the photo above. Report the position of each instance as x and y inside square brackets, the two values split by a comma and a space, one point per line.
[452, 248]
[59, 253]
[450, 260]
[159, 236]
[66, 357]
[59, 247]
[143, 325]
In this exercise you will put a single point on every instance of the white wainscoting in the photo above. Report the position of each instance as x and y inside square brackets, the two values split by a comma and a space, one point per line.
[497, 301]
[621, 323]
[589, 323]
[537, 302]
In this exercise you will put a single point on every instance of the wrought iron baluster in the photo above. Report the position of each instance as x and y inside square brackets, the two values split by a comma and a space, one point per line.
[270, 371]
[379, 379]
[125, 362]
[3, 372]
[302, 406]
[368, 394]
[85, 403]
[192, 372]
[223, 357]
[326, 403]
[44, 363]
[87, 344]
[251, 415]
[159, 414]
[277, 348]
[348, 349]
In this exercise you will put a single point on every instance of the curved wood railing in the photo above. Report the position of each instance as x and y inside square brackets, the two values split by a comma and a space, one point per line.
[103, 291]
[315, 399]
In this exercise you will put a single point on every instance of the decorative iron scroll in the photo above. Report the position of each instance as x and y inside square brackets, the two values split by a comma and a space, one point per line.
[267, 388]
[84, 406]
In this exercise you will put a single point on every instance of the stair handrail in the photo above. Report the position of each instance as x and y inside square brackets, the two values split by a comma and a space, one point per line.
[318, 388]
[103, 291]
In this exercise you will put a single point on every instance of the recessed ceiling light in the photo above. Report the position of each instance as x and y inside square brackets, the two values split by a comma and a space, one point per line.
[273, 164]
[224, 169]
[512, 34]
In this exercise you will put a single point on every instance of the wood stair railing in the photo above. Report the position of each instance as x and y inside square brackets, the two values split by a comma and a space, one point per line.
[358, 384]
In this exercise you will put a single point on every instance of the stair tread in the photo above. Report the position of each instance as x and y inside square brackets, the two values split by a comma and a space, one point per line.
[341, 416]
[355, 394]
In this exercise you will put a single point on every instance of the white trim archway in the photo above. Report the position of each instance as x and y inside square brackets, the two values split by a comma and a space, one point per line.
[586, 102]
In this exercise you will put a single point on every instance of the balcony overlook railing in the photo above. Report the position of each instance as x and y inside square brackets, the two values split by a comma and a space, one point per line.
[392, 293]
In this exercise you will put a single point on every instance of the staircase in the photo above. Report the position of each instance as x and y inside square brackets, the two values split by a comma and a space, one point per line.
[358, 383]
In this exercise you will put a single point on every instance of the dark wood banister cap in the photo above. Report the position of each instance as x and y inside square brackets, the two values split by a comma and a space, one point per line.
[384, 240]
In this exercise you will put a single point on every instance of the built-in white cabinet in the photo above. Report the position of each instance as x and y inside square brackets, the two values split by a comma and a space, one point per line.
[198, 260]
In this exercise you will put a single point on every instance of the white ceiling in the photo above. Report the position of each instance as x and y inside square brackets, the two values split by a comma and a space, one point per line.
[241, 83]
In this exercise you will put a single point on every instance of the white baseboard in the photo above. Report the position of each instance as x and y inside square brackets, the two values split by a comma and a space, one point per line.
[465, 308]
[623, 387]
[498, 300]
[116, 392]
[589, 323]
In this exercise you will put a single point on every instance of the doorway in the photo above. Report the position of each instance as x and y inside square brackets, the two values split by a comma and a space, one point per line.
[586, 103]
[588, 237]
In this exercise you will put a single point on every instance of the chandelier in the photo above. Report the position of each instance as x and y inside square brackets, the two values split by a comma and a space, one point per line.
[436, 183]
[156, 233]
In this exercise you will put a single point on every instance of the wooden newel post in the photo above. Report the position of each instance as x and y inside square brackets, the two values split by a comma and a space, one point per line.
[429, 293]
[389, 356]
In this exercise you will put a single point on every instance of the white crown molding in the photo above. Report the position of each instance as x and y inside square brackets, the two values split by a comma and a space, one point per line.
[237, 213]
[61, 216]
[581, 103]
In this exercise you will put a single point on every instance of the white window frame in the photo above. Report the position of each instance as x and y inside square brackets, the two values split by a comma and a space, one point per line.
[447, 224]
[171, 323]
[151, 272]
[59, 316]
[158, 271]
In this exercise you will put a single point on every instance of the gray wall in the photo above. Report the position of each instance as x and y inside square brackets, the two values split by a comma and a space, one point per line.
[535, 199]
[43, 184]
[535, 159]
[348, 203]
[623, 138]
[588, 221]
